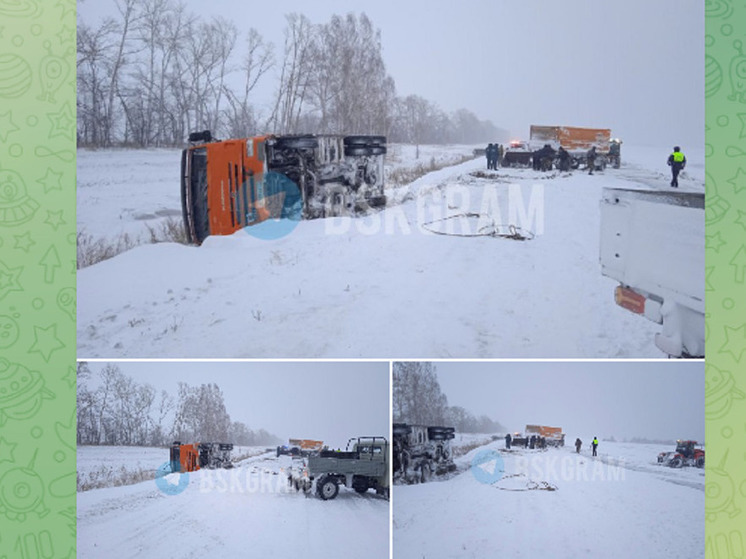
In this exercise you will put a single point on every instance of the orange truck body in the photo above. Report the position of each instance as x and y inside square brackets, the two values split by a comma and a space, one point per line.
[224, 182]
[573, 138]
[306, 444]
[186, 459]
[544, 431]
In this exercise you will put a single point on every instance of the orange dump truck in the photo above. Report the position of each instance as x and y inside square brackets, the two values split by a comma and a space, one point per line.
[578, 141]
[194, 456]
[553, 435]
[231, 184]
[572, 138]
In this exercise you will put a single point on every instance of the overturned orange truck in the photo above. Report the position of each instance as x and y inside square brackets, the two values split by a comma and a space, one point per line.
[231, 184]
[195, 456]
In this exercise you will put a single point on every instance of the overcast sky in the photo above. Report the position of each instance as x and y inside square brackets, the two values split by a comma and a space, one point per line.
[635, 66]
[324, 401]
[656, 400]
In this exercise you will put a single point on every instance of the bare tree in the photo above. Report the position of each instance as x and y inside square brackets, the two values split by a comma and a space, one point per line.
[416, 394]
[294, 75]
[258, 59]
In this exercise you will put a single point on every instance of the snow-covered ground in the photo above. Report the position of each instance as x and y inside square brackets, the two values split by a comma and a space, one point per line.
[620, 504]
[245, 512]
[383, 286]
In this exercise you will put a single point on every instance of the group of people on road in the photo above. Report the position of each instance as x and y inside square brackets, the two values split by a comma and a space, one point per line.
[535, 441]
[543, 159]
[532, 442]
[494, 154]
[579, 444]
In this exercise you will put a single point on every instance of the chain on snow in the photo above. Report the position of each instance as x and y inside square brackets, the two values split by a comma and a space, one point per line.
[492, 230]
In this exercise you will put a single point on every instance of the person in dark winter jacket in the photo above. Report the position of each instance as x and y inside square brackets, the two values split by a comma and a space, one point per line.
[591, 159]
[615, 153]
[488, 154]
[564, 159]
[508, 439]
[543, 158]
[578, 444]
[677, 162]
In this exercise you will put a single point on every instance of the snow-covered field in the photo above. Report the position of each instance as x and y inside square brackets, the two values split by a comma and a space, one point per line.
[245, 512]
[620, 504]
[383, 286]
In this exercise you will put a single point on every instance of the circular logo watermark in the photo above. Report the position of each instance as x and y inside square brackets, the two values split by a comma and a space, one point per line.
[487, 466]
[278, 210]
[170, 482]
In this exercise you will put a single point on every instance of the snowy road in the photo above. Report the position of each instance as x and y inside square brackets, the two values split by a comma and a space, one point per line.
[617, 505]
[244, 512]
[383, 286]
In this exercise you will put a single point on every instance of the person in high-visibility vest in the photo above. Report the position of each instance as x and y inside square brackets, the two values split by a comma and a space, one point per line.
[677, 162]
[594, 445]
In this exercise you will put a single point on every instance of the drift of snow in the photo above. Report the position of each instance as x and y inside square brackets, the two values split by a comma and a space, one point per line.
[555, 503]
[380, 286]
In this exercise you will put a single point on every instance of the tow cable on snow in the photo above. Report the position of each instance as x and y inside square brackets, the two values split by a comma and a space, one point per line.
[492, 230]
[531, 485]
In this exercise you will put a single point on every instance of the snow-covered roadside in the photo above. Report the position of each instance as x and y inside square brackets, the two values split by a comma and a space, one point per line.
[599, 508]
[246, 511]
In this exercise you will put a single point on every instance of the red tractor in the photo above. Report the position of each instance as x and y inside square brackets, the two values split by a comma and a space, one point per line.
[687, 453]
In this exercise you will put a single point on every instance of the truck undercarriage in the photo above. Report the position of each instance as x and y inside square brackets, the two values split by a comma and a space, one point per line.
[231, 184]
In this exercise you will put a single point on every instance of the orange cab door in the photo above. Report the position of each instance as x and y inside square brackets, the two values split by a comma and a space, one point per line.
[226, 197]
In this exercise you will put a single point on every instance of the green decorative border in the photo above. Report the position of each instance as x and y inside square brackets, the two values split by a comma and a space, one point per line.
[725, 274]
[37, 279]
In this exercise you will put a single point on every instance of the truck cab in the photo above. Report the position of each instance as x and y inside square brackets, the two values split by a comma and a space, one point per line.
[363, 465]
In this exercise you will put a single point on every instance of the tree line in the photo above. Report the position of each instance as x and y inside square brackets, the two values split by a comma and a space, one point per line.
[156, 72]
[418, 400]
[121, 411]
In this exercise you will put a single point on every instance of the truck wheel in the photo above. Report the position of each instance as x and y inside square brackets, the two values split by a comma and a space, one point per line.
[676, 463]
[364, 150]
[327, 488]
[296, 142]
[361, 487]
[365, 140]
[377, 201]
[700, 462]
